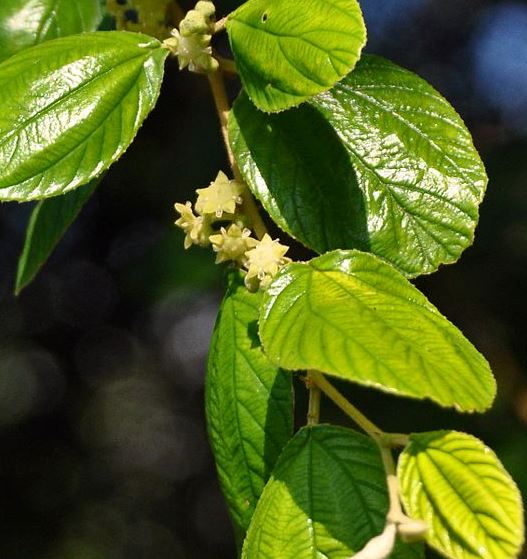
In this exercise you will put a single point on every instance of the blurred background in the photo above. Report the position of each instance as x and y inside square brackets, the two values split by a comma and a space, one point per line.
[102, 359]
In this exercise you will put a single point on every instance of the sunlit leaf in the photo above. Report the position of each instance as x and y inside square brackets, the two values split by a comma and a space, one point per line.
[459, 487]
[356, 317]
[69, 108]
[287, 52]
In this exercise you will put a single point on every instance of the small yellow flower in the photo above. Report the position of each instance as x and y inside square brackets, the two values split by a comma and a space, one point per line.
[221, 196]
[264, 261]
[197, 228]
[232, 243]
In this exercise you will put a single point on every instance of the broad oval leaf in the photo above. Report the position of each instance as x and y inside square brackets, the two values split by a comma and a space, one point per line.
[459, 487]
[48, 222]
[381, 163]
[327, 497]
[286, 53]
[356, 317]
[421, 177]
[249, 404]
[24, 23]
[70, 107]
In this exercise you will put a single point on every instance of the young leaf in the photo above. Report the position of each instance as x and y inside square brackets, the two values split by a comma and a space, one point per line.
[249, 403]
[70, 107]
[327, 497]
[459, 487]
[48, 222]
[381, 163]
[353, 316]
[287, 52]
[26, 23]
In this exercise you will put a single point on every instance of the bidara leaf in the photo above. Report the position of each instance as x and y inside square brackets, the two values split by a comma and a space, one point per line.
[286, 53]
[351, 315]
[421, 177]
[48, 222]
[459, 487]
[295, 164]
[381, 163]
[327, 497]
[249, 404]
[71, 106]
[24, 23]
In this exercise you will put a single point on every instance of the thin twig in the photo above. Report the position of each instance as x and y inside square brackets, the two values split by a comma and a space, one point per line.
[347, 407]
[221, 101]
[220, 25]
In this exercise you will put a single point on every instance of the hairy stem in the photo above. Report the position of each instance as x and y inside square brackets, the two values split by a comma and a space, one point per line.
[220, 25]
[221, 101]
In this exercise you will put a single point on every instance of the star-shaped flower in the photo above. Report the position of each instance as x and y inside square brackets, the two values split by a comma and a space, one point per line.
[232, 243]
[221, 196]
[264, 261]
[197, 228]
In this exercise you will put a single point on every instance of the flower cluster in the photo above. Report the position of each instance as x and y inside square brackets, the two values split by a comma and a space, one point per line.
[221, 202]
[191, 42]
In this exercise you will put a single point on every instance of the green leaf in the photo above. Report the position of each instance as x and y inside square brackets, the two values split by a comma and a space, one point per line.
[286, 53]
[70, 107]
[327, 498]
[354, 316]
[380, 163]
[49, 221]
[459, 487]
[295, 164]
[421, 176]
[24, 23]
[249, 403]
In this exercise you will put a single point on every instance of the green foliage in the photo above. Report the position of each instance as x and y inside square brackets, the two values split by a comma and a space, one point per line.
[327, 497]
[49, 221]
[375, 167]
[71, 107]
[26, 23]
[353, 316]
[456, 483]
[396, 175]
[287, 52]
[249, 403]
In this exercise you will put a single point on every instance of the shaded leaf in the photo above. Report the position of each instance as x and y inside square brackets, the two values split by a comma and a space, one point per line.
[249, 403]
[327, 497]
[49, 221]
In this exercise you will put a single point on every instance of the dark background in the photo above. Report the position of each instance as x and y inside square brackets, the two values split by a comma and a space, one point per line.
[104, 453]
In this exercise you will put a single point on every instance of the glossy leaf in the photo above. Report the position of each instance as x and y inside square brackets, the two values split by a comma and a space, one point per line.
[421, 176]
[327, 497]
[381, 163]
[249, 403]
[69, 108]
[459, 487]
[297, 167]
[356, 317]
[24, 23]
[49, 221]
[286, 53]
